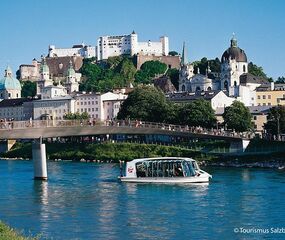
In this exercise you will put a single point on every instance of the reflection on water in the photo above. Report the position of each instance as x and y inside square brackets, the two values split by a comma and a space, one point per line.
[85, 201]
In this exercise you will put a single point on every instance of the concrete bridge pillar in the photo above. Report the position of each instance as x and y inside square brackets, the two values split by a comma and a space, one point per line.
[239, 146]
[40, 161]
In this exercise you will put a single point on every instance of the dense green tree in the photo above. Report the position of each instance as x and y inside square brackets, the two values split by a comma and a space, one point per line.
[197, 113]
[256, 70]
[280, 80]
[173, 53]
[276, 120]
[29, 89]
[214, 65]
[237, 117]
[145, 103]
[149, 70]
[76, 116]
[127, 69]
[173, 73]
[102, 77]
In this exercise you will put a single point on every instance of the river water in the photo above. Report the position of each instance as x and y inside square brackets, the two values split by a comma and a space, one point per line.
[85, 201]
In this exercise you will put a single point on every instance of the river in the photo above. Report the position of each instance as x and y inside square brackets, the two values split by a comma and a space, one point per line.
[85, 201]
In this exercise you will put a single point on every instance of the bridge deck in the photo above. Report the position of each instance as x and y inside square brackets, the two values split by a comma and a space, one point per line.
[47, 129]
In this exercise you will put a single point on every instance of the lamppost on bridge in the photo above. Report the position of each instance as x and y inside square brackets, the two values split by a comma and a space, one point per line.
[278, 125]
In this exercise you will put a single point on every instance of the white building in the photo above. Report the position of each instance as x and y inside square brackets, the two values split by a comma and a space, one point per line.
[19, 109]
[99, 106]
[234, 78]
[217, 99]
[76, 50]
[110, 46]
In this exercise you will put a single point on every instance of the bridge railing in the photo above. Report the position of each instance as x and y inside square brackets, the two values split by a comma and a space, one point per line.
[9, 125]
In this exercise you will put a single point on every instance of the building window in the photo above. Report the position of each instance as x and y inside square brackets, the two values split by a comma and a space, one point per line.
[244, 68]
[258, 97]
[254, 117]
[183, 88]
[264, 96]
[269, 104]
[269, 97]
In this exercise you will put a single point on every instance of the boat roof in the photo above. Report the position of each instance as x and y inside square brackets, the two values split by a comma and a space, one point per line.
[161, 159]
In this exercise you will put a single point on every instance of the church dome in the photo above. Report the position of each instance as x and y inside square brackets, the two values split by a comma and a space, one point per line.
[8, 82]
[234, 52]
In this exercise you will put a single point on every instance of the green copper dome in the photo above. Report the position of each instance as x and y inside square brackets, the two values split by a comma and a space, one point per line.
[8, 82]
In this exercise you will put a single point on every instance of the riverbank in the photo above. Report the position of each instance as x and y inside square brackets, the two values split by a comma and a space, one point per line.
[8, 233]
[106, 151]
[114, 152]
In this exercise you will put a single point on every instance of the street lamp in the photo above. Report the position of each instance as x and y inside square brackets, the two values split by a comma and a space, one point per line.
[278, 125]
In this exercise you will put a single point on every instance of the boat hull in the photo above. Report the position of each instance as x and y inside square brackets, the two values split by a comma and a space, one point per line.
[166, 180]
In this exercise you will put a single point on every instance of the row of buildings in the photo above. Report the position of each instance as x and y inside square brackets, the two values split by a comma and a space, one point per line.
[54, 102]
[107, 46]
[233, 82]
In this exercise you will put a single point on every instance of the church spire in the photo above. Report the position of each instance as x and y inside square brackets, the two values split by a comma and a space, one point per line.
[184, 55]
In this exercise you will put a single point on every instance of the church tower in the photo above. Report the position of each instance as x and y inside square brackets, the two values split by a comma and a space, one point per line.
[44, 79]
[234, 64]
[186, 72]
[71, 81]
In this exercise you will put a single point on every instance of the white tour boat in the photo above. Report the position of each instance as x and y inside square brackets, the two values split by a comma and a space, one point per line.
[164, 170]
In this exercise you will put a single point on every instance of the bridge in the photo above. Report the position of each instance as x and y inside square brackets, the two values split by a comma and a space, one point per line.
[38, 130]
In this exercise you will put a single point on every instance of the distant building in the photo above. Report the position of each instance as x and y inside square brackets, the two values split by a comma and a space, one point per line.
[53, 108]
[19, 109]
[45, 82]
[58, 67]
[270, 95]
[29, 72]
[110, 46]
[259, 116]
[217, 99]
[10, 87]
[99, 106]
[76, 50]
[234, 77]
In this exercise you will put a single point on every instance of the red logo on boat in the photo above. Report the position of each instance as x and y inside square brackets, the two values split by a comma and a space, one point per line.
[130, 169]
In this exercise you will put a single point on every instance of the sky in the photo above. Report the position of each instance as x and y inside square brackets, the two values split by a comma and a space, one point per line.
[29, 27]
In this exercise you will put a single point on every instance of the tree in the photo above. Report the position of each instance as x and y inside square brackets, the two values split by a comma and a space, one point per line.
[280, 80]
[214, 64]
[127, 69]
[256, 70]
[173, 73]
[29, 89]
[173, 53]
[237, 117]
[145, 103]
[276, 120]
[149, 70]
[76, 116]
[197, 113]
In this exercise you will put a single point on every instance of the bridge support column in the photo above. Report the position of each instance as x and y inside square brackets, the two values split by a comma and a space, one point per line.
[40, 161]
[239, 146]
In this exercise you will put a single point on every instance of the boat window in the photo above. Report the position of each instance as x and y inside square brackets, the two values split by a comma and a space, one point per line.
[191, 168]
[141, 169]
[166, 168]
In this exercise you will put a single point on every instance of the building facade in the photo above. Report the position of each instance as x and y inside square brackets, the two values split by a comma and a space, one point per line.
[234, 78]
[110, 46]
[76, 50]
[99, 106]
[19, 109]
